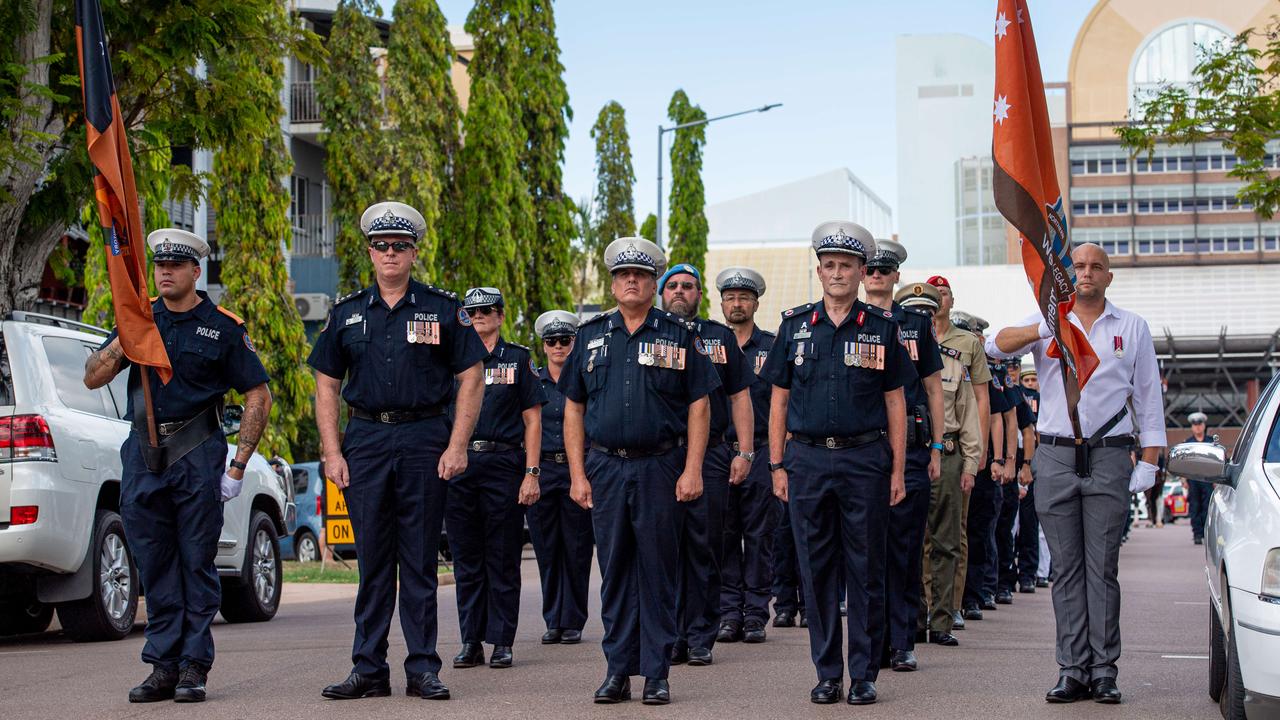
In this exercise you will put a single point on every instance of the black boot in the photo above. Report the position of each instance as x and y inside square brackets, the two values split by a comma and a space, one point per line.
[426, 686]
[501, 657]
[614, 689]
[471, 655]
[158, 686]
[358, 686]
[656, 692]
[191, 682]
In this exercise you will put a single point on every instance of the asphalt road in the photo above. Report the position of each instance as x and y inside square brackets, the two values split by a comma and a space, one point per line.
[1001, 669]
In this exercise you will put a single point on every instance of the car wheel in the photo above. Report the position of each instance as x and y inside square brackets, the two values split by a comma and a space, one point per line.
[305, 547]
[255, 595]
[1231, 704]
[24, 616]
[1217, 656]
[111, 609]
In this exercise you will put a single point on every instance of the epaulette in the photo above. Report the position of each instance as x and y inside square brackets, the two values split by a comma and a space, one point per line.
[713, 321]
[230, 314]
[441, 291]
[769, 333]
[795, 310]
[349, 296]
[918, 311]
[518, 345]
[597, 317]
[689, 325]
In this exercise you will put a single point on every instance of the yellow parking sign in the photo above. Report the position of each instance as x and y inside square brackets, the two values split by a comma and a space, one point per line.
[337, 521]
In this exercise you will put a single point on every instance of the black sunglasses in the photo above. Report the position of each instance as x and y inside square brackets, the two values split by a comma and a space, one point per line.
[878, 270]
[562, 341]
[486, 310]
[398, 246]
[678, 285]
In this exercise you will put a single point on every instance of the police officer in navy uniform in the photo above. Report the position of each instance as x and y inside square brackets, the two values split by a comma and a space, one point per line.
[751, 514]
[702, 534]
[171, 496]
[400, 345]
[559, 529]
[838, 370]
[485, 514]
[1013, 492]
[637, 384]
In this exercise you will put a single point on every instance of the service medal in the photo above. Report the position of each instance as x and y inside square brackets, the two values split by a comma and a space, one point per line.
[488, 378]
[646, 359]
[850, 359]
[413, 338]
[799, 360]
[857, 360]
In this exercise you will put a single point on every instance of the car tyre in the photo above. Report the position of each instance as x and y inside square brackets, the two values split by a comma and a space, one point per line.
[255, 595]
[24, 616]
[1231, 704]
[111, 609]
[305, 547]
[1217, 656]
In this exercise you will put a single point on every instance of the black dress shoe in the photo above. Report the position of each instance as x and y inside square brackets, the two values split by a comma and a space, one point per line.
[1104, 691]
[1004, 597]
[957, 621]
[922, 636]
[1042, 582]
[784, 618]
[158, 686]
[902, 661]
[971, 613]
[501, 657]
[358, 686]
[826, 692]
[1026, 586]
[552, 636]
[699, 656]
[1068, 690]
[753, 632]
[191, 680]
[730, 631]
[426, 686]
[862, 692]
[615, 689]
[679, 653]
[471, 655]
[656, 692]
[942, 638]
[1198, 541]
[989, 602]
[803, 620]
[571, 637]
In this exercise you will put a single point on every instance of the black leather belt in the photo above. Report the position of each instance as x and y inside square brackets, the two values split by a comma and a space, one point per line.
[658, 449]
[393, 417]
[754, 447]
[488, 446]
[560, 458]
[1114, 441]
[841, 442]
[715, 441]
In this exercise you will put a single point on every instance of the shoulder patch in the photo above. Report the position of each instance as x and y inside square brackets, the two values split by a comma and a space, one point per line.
[349, 296]
[888, 314]
[799, 309]
[231, 315]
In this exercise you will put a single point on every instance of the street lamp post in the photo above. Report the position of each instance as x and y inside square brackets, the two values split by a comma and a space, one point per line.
[663, 130]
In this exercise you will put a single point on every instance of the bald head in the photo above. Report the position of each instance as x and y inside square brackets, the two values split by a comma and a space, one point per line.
[1093, 272]
[1090, 252]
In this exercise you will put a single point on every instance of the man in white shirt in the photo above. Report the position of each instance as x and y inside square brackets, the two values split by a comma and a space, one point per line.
[1084, 513]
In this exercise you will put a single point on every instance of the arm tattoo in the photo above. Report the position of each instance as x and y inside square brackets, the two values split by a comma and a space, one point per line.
[253, 422]
[103, 364]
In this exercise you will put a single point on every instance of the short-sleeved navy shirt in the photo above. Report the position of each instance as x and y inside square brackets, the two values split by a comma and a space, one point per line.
[552, 414]
[637, 387]
[511, 386]
[838, 375]
[922, 345]
[210, 352]
[401, 358]
[995, 390]
[731, 366]
[756, 351]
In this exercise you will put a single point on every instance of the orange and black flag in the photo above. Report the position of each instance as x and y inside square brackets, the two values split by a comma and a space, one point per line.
[1027, 194]
[116, 196]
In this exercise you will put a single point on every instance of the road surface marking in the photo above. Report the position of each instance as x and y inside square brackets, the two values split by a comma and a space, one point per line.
[1185, 657]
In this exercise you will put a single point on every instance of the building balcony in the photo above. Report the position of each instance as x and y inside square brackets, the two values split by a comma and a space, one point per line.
[303, 105]
[313, 236]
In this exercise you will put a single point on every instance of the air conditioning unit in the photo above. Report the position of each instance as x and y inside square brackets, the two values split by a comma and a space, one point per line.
[312, 306]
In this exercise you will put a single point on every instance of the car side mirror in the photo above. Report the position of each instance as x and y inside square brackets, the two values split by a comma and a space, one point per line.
[1199, 461]
[231, 415]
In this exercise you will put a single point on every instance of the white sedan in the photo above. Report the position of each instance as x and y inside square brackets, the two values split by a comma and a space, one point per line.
[1242, 561]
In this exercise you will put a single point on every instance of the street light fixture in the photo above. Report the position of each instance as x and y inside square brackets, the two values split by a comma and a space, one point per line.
[663, 130]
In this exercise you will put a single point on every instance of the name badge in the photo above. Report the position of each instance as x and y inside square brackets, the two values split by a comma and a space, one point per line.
[353, 319]
[593, 344]
[422, 333]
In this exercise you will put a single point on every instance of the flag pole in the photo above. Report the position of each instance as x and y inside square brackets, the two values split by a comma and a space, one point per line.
[152, 435]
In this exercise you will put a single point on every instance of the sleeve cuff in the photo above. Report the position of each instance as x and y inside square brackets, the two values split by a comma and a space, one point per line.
[1153, 438]
[970, 467]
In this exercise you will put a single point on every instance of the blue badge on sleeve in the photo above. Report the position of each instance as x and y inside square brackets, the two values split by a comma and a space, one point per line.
[463, 318]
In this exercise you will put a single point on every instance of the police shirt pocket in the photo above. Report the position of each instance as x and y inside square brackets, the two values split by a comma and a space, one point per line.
[198, 357]
[354, 342]
[665, 380]
[804, 357]
[595, 372]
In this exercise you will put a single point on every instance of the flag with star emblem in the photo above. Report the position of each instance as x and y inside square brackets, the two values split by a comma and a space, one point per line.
[1027, 194]
[116, 196]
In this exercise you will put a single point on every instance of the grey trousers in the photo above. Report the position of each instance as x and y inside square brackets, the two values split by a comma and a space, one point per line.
[1083, 519]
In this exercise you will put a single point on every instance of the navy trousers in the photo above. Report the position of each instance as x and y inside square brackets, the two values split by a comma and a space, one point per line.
[562, 541]
[637, 525]
[904, 548]
[1199, 494]
[172, 521]
[1006, 560]
[839, 501]
[701, 554]
[1028, 540]
[750, 520]
[788, 594]
[984, 508]
[486, 533]
[396, 500]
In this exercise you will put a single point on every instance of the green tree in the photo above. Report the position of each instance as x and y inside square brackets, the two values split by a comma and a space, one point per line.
[587, 255]
[45, 176]
[1234, 97]
[356, 157]
[252, 206]
[425, 118]
[649, 228]
[687, 228]
[615, 209]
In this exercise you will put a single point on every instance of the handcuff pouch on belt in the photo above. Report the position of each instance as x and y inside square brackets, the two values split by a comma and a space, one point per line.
[174, 446]
[920, 428]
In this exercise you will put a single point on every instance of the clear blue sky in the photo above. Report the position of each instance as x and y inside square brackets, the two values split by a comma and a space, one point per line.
[830, 62]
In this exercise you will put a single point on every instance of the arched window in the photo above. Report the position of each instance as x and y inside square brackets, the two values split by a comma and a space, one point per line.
[1170, 55]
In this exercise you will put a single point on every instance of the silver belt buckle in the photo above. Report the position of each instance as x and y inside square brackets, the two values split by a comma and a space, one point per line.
[622, 452]
[831, 443]
[476, 445]
[562, 458]
[384, 417]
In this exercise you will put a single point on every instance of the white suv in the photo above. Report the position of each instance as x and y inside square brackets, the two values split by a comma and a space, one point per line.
[1242, 560]
[62, 542]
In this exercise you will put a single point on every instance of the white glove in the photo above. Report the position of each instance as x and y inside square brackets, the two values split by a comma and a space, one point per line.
[230, 487]
[1144, 476]
[1043, 329]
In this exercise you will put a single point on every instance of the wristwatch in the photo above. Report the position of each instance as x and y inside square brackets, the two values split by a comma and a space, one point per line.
[775, 466]
[997, 461]
[238, 465]
[748, 456]
[534, 471]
